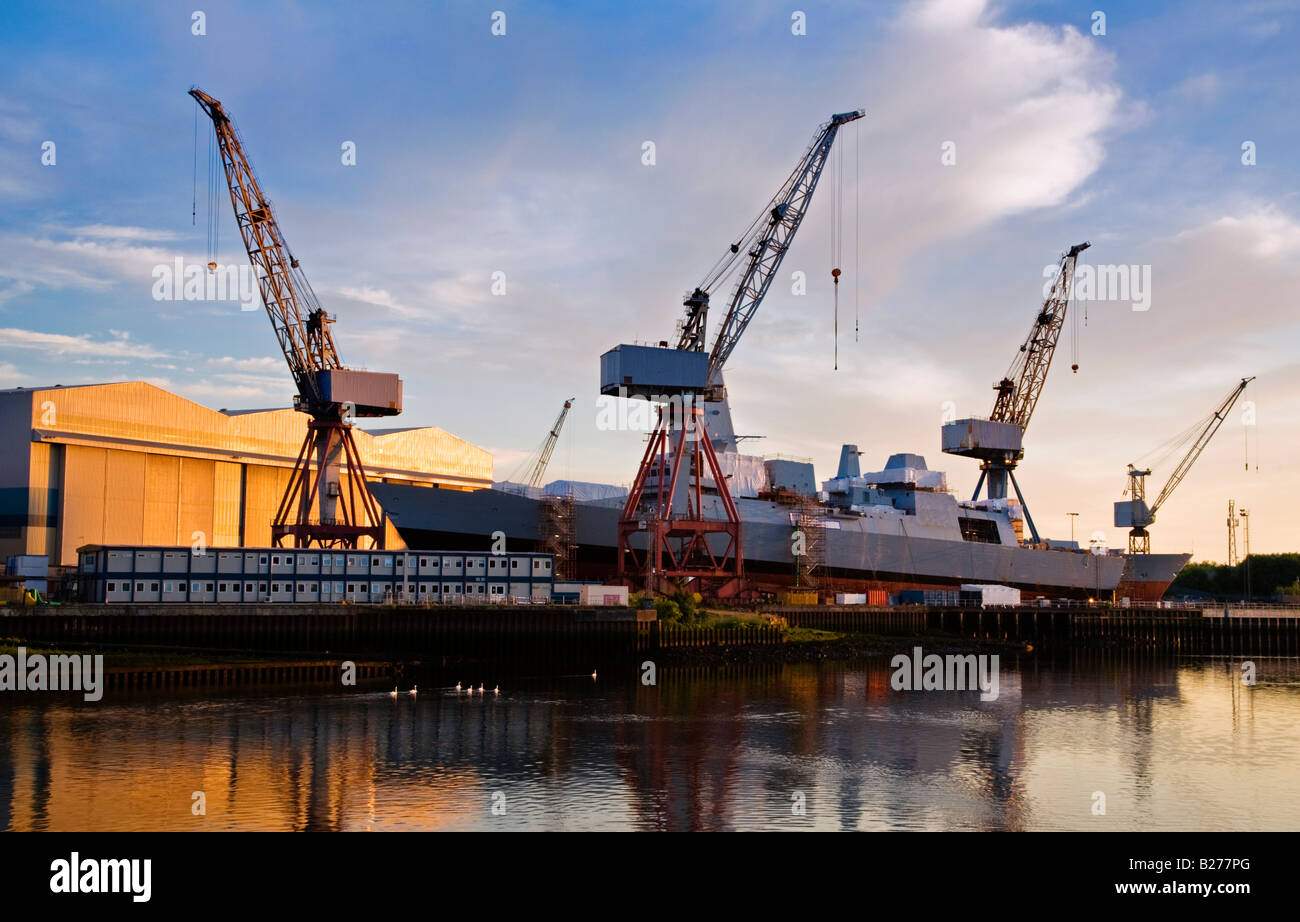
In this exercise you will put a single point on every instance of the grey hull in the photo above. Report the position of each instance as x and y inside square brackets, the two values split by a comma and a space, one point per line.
[857, 548]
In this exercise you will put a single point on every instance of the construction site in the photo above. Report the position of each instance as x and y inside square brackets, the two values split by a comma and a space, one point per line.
[131, 466]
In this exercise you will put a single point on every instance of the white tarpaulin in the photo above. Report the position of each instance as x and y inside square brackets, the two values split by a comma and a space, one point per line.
[585, 492]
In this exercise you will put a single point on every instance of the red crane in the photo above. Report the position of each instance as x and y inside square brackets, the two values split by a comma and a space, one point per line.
[665, 530]
[316, 508]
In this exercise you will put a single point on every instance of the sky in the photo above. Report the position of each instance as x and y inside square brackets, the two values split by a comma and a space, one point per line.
[996, 135]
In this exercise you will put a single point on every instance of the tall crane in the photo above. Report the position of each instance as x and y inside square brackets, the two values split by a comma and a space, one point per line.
[316, 509]
[1134, 513]
[999, 440]
[695, 421]
[537, 469]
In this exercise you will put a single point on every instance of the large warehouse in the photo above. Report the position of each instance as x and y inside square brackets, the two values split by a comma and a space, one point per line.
[133, 464]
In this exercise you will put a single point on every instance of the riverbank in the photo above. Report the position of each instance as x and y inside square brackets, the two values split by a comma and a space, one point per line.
[806, 645]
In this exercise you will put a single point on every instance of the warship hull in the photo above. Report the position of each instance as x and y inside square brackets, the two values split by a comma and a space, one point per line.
[859, 552]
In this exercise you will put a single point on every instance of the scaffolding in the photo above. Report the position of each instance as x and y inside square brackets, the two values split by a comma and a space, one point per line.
[558, 534]
[809, 537]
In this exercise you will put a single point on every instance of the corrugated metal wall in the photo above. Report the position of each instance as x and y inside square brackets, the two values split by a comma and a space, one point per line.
[152, 489]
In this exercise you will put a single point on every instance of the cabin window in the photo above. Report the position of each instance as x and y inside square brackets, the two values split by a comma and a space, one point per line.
[982, 531]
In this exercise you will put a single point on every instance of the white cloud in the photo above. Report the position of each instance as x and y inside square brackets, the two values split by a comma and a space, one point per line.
[377, 297]
[263, 363]
[93, 257]
[1265, 233]
[119, 232]
[61, 345]
[1027, 107]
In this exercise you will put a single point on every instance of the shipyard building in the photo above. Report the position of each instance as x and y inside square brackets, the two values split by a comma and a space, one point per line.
[133, 464]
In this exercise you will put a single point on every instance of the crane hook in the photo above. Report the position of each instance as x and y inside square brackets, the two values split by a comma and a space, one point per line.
[835, 277]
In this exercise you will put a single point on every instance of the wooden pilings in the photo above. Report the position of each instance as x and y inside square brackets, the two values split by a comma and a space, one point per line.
[1184, 632]
[895, 620]
[235, 674]
[488, 632]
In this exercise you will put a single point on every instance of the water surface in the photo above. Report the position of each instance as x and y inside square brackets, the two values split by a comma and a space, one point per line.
[1170, 745]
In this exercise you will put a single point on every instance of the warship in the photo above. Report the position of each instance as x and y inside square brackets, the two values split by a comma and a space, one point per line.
[892, 529]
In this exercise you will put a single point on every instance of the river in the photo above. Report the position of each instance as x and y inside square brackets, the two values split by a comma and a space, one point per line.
[1098, 741]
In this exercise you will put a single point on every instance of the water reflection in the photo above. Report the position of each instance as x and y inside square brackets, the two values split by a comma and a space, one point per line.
[1170, 745]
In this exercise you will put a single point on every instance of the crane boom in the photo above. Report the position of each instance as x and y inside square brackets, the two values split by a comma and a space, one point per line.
[1020, 388]
[1134, 513]
[1202, 439]
[301, 325]
[761, 247]
[548, 446]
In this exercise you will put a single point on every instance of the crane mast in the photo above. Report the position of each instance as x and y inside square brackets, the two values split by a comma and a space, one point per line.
[316, 509]
[1134, 513]
[998, 442]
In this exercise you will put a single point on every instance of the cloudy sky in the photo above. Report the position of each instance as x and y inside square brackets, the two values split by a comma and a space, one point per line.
[1169, 141]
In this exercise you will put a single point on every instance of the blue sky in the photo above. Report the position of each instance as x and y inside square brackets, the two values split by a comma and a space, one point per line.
[522, 154]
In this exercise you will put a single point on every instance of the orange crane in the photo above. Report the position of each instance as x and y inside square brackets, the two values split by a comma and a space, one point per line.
[316, 509]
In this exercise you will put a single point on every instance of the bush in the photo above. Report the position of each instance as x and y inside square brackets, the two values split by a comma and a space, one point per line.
[667, 609]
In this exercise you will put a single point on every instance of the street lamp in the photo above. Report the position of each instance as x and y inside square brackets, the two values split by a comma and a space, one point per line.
[1073, 516]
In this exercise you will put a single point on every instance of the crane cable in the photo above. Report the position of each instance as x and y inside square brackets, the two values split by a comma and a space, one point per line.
[214, 202]
[857, 223]
[1074, 338]
[194, 188]
[837, 241]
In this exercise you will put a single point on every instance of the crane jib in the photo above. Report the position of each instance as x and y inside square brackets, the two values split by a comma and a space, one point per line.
[765, 248]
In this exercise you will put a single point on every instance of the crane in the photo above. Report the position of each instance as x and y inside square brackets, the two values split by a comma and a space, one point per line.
[537, 469]
[1134, 513]
[315, 508]
[695, 420]
[999, 440]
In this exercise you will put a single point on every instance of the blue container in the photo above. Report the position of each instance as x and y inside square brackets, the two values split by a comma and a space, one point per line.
[650, 372]
[932, 597]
